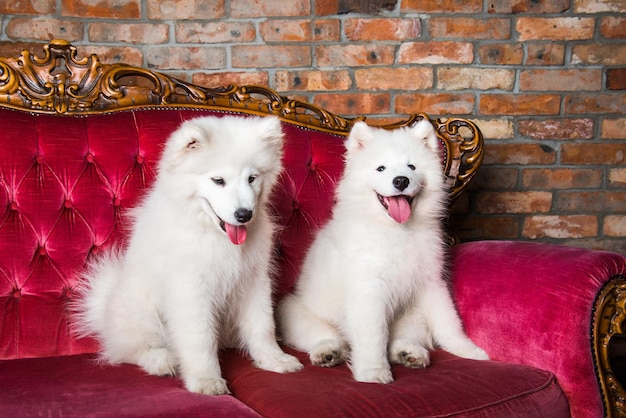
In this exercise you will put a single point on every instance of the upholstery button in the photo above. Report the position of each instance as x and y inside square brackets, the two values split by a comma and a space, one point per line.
[117, 202]
[38, 159]
[312, 165]
[13, 205]
[43, 251]
[68, 292]
[68, 203]
[295, 205]
[139, 159]
[89, 158]
[17, 293]
[95, 249]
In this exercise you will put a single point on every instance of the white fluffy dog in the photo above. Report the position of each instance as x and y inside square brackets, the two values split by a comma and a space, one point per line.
[195, 274]
[372, 288]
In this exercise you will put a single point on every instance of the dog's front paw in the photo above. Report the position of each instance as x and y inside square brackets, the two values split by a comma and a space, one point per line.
[207, 386]
[373, 375]
[158, 361]
[477, 353]
[283, 364]
[409, 354]
[328, 353]
[467, 349]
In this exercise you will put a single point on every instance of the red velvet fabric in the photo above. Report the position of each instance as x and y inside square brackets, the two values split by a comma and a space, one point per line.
[532, 303]
[304, 198]
[451, 386]
[76, 386]
[65, 182]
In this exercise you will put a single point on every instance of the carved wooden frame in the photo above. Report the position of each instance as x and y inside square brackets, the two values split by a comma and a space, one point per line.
[609, 313]
[60, 82]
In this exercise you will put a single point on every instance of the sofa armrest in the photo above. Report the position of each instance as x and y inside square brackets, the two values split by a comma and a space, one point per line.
[535, 304]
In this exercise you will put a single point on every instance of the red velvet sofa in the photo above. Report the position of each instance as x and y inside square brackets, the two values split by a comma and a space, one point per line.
[79, 140]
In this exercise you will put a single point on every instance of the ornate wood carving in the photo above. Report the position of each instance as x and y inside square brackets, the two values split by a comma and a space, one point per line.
[609, 316]
[61, 82]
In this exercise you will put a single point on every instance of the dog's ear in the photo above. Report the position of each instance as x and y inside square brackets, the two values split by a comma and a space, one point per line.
[190, 136]
[194, 138]
[425, 132]
[360, 135]
[185, 141]
[193, 143]
[271, 131]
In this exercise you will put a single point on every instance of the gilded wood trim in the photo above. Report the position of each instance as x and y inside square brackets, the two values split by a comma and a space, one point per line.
[608, 321]
[62, 83]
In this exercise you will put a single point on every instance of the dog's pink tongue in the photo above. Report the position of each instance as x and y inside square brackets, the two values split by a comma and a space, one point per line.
[398, 208]
[236, 234]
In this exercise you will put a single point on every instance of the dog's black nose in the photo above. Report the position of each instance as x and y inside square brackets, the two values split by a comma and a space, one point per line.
[401, 182]
[243, 215]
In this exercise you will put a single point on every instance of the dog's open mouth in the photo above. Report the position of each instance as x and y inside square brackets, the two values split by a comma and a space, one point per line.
[398, 207]
[236, 233]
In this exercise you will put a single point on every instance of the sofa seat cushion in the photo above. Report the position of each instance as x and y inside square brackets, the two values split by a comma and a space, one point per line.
[451, 386]
[77, 386]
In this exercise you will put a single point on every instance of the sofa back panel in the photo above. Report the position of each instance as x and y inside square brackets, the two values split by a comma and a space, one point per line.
[304, 197]
[66, 184]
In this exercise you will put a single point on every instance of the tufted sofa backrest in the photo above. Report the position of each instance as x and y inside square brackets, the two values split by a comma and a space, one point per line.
[79, 145]
[66, 184]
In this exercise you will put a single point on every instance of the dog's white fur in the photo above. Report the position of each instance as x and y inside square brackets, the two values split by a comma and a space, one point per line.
[183, 287]
[372, 288]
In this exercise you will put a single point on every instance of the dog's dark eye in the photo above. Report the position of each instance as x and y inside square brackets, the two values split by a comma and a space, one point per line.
[412, 167]
[381, 168]
[251, 179]
[219, 181]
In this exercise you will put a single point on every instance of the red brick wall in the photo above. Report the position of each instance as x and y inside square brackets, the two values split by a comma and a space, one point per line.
[545, 80]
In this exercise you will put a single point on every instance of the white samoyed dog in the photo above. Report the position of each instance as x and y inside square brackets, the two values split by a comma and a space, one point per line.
[195, 275]
[372, 288]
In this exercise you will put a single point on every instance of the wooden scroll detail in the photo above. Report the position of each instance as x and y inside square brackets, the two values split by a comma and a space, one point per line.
[608, 323]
